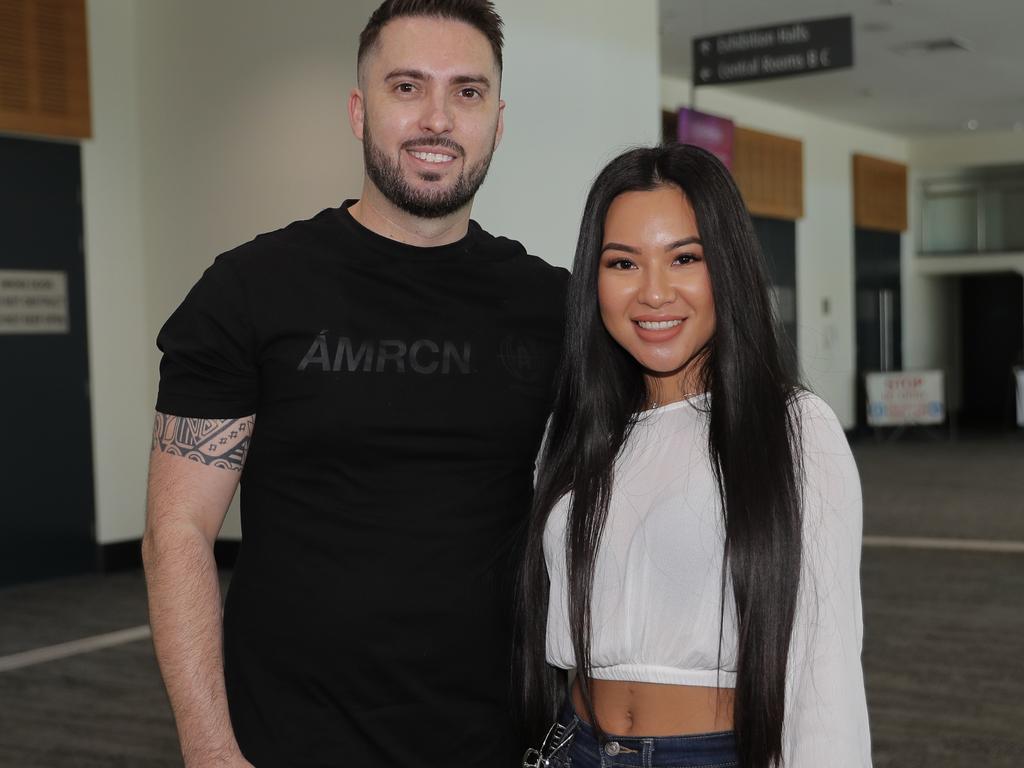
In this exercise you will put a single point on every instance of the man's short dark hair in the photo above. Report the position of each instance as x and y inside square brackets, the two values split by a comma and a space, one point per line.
[480, 14]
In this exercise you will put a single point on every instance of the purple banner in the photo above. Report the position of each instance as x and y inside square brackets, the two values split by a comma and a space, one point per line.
[709, 132]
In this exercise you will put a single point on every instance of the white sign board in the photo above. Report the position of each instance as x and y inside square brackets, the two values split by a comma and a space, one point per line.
[1020, 395]
[33, 301]
[905, 398]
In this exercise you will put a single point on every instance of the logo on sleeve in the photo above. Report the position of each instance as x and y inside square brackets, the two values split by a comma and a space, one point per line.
[422, 356]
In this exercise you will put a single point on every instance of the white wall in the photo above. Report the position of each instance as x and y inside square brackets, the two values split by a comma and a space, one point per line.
[217, 121]
[931, 305]
[824, 236]
[115, 267]
[929, 154]
[581, 83]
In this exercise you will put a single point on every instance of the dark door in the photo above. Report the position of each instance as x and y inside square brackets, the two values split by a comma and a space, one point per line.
[993, 342]
[778, 241]
[46, 505]
[878, 308]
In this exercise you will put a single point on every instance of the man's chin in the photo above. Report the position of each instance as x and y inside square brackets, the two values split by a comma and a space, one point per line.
[431, 186]
[427, 203]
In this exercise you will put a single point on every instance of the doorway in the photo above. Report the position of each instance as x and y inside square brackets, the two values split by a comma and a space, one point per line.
[47, 519]
[778, 242]
[992, 339]
[878, 308]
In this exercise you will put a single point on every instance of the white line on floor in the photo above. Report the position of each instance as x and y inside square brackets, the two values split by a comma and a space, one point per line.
[121, 637]
[960, 545]
[74, 648]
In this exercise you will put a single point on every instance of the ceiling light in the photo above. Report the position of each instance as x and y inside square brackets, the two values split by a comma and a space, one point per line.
[938, 45]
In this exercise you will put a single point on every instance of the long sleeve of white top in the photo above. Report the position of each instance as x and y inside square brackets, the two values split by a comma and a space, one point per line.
[826, 721]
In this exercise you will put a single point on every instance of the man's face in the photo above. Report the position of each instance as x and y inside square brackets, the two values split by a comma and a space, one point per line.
[428, 113]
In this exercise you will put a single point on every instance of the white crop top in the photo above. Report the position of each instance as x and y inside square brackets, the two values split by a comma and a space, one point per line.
[656, 603]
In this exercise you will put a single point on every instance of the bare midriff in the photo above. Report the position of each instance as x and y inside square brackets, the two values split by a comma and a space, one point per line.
[656, 709]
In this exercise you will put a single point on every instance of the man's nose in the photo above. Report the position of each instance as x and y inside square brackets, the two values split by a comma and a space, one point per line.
[437, 114]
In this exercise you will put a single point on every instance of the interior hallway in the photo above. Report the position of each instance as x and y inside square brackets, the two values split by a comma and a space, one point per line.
[943, 641]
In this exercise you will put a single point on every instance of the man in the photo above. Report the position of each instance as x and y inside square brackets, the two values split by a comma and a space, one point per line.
[379, 377]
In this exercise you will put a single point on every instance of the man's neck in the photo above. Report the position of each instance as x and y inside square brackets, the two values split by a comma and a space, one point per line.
[380, 215]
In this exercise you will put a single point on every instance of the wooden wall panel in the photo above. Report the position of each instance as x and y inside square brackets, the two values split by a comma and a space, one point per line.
[769, 170]
[879, 194]
[44, 68]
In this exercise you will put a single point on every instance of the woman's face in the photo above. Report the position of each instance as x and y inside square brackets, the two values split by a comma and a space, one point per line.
[654, 289]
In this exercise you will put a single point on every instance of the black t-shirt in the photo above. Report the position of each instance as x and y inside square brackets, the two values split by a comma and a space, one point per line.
[400, 396]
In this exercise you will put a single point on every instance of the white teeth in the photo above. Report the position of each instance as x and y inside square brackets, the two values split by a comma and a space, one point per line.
[657, 325]
[431, 157]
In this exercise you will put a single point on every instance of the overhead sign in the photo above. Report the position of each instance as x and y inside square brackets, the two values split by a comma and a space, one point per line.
[710, 132]
[33, 301]
[906, 398]
[781, 50]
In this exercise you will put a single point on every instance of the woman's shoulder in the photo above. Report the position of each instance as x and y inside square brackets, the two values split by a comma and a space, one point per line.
[813, 412]
[830, 477]
[816, 427]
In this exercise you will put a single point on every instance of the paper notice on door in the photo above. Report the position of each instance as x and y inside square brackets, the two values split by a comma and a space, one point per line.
[33, 302]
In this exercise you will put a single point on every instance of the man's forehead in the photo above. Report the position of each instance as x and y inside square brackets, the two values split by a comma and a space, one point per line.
[435, 46]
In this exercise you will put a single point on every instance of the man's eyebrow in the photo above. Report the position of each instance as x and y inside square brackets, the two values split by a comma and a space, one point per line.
[619, 247]
[472, 80]
[416, 74]
[411, 74]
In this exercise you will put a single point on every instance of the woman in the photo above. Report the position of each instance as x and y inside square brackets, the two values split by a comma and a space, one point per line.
[693, 555]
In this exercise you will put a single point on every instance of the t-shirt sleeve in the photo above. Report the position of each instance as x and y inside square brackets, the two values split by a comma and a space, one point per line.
[826, 720]
[208, 369]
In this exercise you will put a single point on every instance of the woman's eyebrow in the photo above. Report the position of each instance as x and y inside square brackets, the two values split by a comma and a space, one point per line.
[620, 247]
[669, 247]
[684, 241]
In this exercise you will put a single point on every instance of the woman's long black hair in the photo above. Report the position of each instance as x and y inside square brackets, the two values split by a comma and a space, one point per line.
[752, 440]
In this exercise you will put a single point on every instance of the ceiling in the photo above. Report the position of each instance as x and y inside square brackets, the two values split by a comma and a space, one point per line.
[897, 92]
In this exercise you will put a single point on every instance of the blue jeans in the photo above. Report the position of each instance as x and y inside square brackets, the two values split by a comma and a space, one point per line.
[582, 750]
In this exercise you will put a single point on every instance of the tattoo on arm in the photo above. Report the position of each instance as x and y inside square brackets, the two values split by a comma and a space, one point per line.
[219, 443]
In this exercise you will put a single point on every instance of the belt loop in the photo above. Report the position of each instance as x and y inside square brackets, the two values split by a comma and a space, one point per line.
[648, 750]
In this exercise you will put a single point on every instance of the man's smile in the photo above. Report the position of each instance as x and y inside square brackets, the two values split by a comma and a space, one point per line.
[431, 157]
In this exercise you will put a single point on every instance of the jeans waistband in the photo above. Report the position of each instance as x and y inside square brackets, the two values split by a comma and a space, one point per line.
[699, 749]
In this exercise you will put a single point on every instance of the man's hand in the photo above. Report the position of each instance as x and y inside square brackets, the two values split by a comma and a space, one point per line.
[236, 761]
[233, 761]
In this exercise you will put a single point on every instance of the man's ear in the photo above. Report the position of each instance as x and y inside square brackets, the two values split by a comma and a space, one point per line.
[356, 112]
[500, 131]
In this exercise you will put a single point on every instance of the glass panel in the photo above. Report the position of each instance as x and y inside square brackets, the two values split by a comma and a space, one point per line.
[995, 220]
[950, 223]
[1004, 220]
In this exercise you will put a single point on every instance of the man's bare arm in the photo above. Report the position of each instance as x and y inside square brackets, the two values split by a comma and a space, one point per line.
[194, 468]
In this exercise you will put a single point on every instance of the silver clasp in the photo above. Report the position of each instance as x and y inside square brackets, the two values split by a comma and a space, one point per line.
[557, 737]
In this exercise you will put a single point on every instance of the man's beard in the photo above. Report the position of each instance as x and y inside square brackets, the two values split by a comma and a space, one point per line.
[387, 175]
